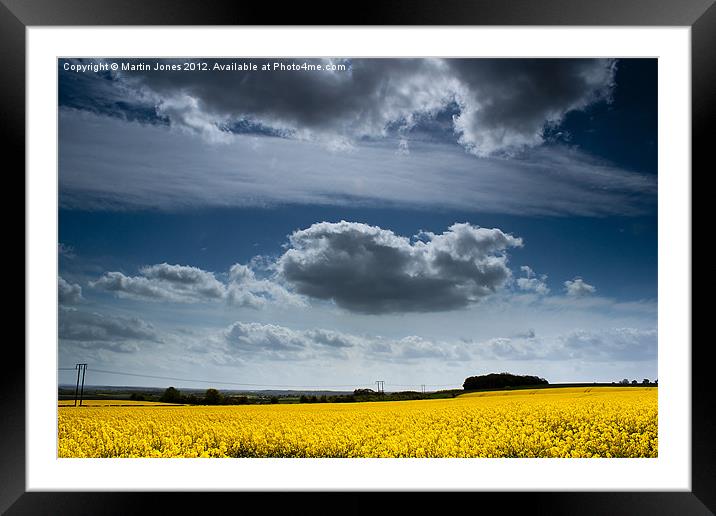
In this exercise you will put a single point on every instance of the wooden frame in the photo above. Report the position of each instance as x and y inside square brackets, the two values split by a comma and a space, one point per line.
[700, 15]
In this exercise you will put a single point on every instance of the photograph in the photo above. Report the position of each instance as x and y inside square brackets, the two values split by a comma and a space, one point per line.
[357, 257]
[440, 249]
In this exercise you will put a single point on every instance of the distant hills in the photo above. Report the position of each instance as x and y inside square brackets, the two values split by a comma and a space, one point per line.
[115, 390]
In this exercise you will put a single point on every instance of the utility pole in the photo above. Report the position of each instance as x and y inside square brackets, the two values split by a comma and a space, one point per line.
[77, 385]
[83, 368]
[423, 387]
[380, 384]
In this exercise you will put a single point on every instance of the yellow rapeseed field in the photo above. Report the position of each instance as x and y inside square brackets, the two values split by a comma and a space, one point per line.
[560, 422]
[112, 403]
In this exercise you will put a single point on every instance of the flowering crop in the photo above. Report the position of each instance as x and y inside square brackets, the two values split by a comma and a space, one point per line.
[112, 403]
[563, 422]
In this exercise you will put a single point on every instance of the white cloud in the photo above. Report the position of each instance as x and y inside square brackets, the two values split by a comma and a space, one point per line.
[256, 341]
[578, 288]
[66, 250]
[93, 330]
[180, 281]
[417, 348]
[185, 113]
[187, 284]
[249, 342]
[594, 345]
[104, 164]
[164, 282]
[531, 282]
[68, 293]
[244, 289]
[612, 344]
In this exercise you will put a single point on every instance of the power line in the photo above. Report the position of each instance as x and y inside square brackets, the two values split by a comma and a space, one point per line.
[422, 385]
[157, 377]
[210, 381]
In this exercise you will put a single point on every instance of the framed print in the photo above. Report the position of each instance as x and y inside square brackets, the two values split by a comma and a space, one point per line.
[427, 251]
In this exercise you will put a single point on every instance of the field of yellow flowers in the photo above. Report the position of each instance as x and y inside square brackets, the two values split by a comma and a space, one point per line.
[558, 422]
[114, 403]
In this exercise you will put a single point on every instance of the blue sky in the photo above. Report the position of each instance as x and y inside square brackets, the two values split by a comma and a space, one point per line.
[420, 220]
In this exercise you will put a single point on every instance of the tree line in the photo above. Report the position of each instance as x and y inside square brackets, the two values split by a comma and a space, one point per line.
[210, 397]
[645, 381]
[501, 381]
[483, 382]
[508, 381]
[214, 397]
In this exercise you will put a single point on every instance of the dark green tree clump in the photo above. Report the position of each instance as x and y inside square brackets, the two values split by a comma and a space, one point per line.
[501, 380]
[213, 397]
[364, 392]
[171, 395]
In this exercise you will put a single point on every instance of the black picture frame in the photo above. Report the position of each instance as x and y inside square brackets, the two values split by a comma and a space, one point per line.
[17, 15]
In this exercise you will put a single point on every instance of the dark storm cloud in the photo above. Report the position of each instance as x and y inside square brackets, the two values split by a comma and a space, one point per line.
[502, 105]
[361, 100]
[102, 93]
[506, 103]
[367, 269]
